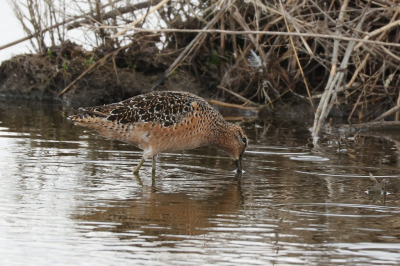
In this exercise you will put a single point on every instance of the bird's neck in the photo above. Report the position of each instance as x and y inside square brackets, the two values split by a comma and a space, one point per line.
[222, 136]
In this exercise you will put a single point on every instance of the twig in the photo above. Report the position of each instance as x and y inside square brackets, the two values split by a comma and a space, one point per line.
[114, 13]
[355, 105]
[128, 27]
[232, 105]
[375, 32]
[398, 104]
[387, 113]
[377, 125]
[391, 54]
[272, 33]
[115, 68]
[243, 99]
[361, 66]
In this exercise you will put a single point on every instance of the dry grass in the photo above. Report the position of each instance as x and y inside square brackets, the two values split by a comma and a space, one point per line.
[329, 53]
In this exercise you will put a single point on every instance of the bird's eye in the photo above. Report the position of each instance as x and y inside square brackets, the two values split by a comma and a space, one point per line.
[244, 140]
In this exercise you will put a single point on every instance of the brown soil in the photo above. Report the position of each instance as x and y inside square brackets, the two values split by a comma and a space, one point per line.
[129, 73]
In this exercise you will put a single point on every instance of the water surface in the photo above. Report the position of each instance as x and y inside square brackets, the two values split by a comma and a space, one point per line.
[68, 197]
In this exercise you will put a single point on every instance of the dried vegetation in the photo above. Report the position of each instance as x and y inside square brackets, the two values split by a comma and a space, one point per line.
[327, 54]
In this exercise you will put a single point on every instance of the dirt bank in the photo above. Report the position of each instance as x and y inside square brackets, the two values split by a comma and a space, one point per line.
[130, 72]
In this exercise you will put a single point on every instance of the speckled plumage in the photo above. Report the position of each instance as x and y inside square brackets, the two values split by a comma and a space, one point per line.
[165, 121]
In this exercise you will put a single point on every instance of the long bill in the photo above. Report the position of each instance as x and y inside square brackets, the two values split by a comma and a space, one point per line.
[238, 162]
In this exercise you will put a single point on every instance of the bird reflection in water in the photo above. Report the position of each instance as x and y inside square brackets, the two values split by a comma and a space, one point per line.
[377, 189]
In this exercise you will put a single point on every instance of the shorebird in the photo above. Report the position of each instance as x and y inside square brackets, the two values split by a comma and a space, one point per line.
[165, 121]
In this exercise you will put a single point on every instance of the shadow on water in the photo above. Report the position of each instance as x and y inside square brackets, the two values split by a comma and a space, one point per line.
[68, 196]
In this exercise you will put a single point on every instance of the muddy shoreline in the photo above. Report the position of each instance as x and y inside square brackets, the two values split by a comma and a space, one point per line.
[36, 76]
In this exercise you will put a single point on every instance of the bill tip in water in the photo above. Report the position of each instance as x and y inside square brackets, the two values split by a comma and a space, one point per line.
[239, 171]
[239, 168]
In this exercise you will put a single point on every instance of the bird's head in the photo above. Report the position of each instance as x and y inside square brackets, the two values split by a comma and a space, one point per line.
[233, 141]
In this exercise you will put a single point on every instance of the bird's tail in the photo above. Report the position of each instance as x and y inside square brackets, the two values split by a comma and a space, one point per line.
[86, 115]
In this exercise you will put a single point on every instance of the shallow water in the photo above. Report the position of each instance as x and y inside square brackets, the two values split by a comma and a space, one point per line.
[68, 197]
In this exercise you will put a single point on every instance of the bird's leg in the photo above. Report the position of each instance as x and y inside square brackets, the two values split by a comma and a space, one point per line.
[153, 167]
[136, 170]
